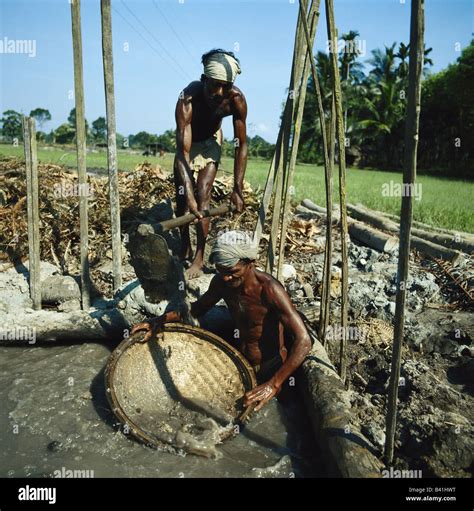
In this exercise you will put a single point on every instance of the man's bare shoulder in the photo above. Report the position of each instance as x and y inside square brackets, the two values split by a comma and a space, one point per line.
[270, 285]
[238, 101]
[191, 91]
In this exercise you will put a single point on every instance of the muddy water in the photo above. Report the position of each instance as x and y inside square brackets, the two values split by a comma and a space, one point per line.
[54, 417]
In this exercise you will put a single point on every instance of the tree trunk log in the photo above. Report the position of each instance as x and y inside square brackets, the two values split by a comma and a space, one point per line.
[454, 241]
[423, 245]
[372, 238]
[345, 451]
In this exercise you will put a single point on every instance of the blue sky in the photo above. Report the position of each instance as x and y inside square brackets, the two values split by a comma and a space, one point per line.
[158, 45]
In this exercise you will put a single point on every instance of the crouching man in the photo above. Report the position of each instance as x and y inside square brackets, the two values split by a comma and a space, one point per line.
[270, 332]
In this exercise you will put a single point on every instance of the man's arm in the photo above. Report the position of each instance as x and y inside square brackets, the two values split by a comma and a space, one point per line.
[198, 309]
[278, 298]
[240, 156]
[183, 115]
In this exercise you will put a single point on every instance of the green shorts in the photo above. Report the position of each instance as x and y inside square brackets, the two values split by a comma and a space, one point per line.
[206, 151]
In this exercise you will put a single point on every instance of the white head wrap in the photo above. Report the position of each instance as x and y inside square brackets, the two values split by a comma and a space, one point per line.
[232, 246]
[221, 66]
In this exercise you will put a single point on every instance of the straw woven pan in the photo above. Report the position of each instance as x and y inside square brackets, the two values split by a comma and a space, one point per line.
[174, 381]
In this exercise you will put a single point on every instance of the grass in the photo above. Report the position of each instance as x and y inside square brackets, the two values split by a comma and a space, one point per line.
[447, 203]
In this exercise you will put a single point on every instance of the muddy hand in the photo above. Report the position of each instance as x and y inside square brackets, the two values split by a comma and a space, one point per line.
[237, 200]
[193, 208]
[151, 327]
[261, 394]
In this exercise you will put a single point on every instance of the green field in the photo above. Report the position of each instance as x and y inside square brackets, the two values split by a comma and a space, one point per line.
[444, 202]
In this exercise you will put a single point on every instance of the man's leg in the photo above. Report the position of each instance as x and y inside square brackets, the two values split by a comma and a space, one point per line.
[182, 209]
[205, 181]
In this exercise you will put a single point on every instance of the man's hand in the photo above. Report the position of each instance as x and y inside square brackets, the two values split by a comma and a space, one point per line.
[238, 200]
[261, 394]
[151, 327]
[193, 207]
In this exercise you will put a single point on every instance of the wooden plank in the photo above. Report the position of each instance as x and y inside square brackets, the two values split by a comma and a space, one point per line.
[107, 57]
[81, 151]
[32, 201]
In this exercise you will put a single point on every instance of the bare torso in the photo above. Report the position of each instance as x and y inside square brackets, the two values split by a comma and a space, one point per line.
[206, 120]
[260, 331]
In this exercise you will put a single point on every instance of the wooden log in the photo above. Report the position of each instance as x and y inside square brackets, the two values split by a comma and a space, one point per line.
[372, 238]
[427, 227]
[32, 194]
[52, 326]
[434, 250]
[106, 17]
[346, 453]
[372, 218]
[307, 203]
[166, 225]
[81, 151]
[309, 213]
[450, 240]
[423, 245]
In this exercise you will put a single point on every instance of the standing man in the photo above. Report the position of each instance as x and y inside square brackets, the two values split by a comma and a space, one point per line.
[199, 112]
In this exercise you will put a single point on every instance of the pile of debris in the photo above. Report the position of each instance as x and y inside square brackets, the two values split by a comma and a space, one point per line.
[146, 196]
[436, 405]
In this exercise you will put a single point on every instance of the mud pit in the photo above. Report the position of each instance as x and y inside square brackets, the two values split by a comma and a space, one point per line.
[55, 417]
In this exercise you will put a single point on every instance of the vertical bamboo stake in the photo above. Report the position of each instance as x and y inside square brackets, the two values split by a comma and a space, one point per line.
[332, 36]
[308, 41]
[282, 150]
[32, 204]
[409, 176]
[267, 193]
[282, 154]
[111, 141]
[325, 310]
[81, 150]
[327, 172]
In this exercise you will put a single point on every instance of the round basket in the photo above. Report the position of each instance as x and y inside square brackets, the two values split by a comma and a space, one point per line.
[171, 383]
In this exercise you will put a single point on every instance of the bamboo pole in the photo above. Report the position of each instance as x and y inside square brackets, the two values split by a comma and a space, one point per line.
[267, 195]
[336, 82]
[328, 180]
[409, 177]
[282, 148]
[32, 205]
[325, 310]
[301, 83]
[81, 151]
[111, 142]
[282, 155]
